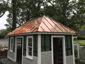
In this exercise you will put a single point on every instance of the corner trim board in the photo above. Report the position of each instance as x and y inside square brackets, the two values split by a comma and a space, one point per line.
[73, 50]
[39, 48]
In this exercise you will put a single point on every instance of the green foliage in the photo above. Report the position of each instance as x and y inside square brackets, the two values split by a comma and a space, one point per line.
[4, 33]
[81, 42]
[83, 27]
[3, 7]
[69, 13]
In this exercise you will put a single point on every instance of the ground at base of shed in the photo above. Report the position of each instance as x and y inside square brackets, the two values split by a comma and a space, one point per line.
[7, 61]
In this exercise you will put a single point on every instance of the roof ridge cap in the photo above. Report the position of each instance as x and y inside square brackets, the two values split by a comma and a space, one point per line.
[41, 22]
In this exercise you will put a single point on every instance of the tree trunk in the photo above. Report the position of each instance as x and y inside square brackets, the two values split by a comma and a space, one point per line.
[14, 14]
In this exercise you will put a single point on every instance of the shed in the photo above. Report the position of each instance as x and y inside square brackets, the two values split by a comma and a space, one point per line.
[42, 41]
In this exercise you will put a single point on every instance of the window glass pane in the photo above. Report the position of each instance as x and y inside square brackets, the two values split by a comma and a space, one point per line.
[29, 46]
[30, 49]
[12, 43]
[30, 40]
[30, 53]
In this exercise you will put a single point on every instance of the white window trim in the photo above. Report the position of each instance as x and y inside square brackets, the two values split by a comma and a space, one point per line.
[10, 44]
[27, 55]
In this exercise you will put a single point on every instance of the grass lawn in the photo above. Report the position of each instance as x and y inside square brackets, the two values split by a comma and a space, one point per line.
[81, 42]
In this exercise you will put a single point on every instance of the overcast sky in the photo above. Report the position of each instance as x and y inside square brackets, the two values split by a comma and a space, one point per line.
[3, 21]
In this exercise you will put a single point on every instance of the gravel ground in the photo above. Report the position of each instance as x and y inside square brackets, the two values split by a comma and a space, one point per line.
[3, 58]
[7, 61]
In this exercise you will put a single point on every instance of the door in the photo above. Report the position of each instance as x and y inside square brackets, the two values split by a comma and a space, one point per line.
[19, 50]
[58, 50]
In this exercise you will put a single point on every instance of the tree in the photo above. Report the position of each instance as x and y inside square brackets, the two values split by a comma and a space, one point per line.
[28, 9]
[14, 14]
[3, 7]
[70, 13]
[4, 33]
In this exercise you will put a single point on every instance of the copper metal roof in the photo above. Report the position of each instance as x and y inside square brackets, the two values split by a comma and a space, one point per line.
[42, 24]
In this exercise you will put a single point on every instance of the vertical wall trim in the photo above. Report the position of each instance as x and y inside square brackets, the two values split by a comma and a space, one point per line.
[52, 49]
[73, 49]
[39, 48]
[15, 49]
[64, 50]
[22, 48]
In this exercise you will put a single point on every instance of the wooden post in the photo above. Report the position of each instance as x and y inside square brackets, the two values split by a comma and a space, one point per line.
[39, 48]
[78, 51]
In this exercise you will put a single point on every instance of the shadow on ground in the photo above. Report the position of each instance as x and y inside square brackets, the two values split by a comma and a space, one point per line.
[4, 60]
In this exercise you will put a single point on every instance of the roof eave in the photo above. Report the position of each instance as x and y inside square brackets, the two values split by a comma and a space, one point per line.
[32, 33]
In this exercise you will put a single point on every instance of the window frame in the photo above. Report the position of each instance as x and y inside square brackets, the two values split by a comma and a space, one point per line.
[11, 49]
[27, 54]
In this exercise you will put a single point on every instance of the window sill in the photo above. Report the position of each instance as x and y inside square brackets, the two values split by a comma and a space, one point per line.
[11, 50]
[29, 57]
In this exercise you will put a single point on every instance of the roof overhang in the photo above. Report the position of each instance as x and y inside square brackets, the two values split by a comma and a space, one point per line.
[52, 33]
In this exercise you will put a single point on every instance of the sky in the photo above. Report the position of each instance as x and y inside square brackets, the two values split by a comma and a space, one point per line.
[3, 21]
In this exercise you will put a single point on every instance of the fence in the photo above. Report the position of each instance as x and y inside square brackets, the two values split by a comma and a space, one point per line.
[3, 41]
[79, 52]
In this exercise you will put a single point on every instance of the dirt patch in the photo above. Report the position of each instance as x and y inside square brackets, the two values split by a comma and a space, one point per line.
[1, 62]
[79, 62]
[3, 54]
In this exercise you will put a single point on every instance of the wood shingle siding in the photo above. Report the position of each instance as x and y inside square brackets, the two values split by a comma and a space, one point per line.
[24, 47]
[46, 42]
[35, 46]
[68, 41]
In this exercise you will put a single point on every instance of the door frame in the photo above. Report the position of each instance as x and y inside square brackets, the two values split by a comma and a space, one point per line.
[64, 49]
[16, 47]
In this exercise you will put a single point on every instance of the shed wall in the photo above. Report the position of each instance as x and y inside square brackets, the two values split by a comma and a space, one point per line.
[11, 55]
[69, 59]
[46, 54]
[35, 46]
[46, 57]
[29, 61]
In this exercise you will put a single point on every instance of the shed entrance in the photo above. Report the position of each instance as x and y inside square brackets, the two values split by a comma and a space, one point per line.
[19, 50]
[58, 50]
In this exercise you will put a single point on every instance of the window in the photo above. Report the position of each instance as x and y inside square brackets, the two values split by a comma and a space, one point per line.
[11, 44]
[29, 47]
